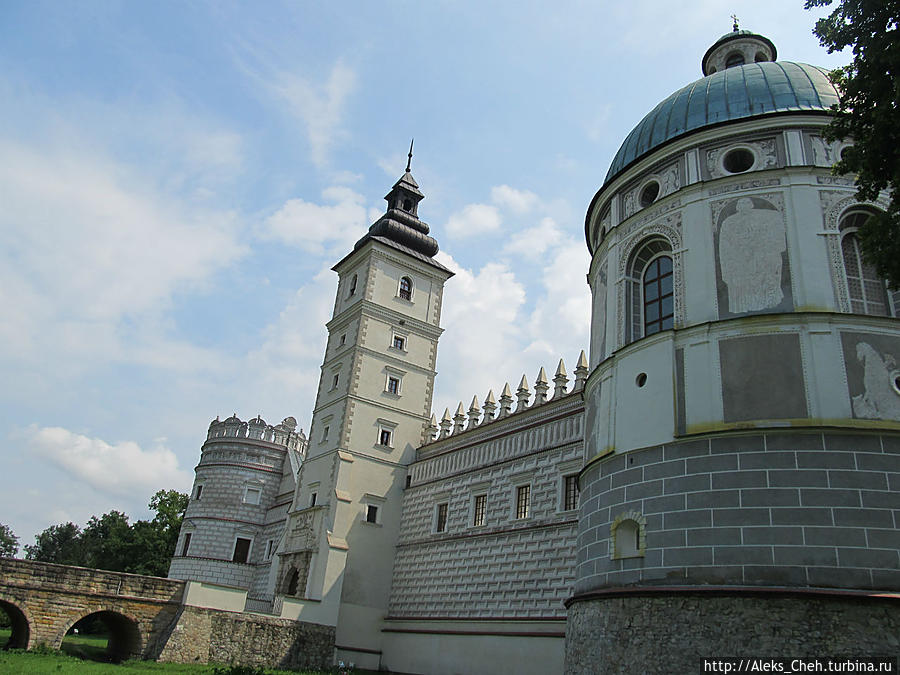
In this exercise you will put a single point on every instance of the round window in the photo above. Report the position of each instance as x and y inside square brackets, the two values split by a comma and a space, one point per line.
[738, 160]
[649, 193]
[895, 381]
[641, 379]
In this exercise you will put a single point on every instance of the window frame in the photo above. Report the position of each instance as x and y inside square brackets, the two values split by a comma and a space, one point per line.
[405, 293]
[441, 517]
[186, 544]
[660, 296]
[522, 507]
[252, 487]
[234, 549]
[846, 231]
[565, 492]
[476, 498]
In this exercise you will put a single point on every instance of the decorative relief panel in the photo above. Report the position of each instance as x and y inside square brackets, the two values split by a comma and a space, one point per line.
[752, 265]
[765, 156]
[600, 318]
[873, 376]
[668, 179]
[825, 153]
[746, 185]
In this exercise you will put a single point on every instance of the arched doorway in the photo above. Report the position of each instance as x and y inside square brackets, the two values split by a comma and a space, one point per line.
[103, 636]
[14, 630]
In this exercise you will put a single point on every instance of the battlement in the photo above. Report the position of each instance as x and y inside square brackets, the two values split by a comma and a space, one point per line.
[479, 416]
[284, 434]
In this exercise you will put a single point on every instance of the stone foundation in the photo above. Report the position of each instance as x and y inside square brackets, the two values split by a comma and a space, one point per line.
[671, 632]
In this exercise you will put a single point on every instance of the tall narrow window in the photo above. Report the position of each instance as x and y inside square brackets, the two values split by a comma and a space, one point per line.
[649, 289]
[186, 546]
[334, 381]
[270, 548]
[570, 493]
[865, 288]
[393, 385]
[241, 550]
[352, 286]
[406, 288]
[198, 491]
[371, 513]
[659, 306]
[478, 510]
[399, 343]
[523, 501]
[440, 524]
[312, 498]
[384, 437]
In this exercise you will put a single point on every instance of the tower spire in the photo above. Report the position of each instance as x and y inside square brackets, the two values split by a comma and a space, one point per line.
[409, 160]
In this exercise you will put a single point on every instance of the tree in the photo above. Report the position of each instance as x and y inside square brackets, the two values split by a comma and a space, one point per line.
[109, 542]
[57, 544]
[869, 114]
[9, 543]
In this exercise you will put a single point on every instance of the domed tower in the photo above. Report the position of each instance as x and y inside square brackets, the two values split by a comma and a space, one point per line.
[740, 492]
[238, 505]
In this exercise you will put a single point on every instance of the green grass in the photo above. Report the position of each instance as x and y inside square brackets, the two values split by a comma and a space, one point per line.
[91, 647]
[57, 663]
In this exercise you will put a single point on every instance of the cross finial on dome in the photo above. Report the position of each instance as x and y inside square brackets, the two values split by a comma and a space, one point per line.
[734, 27]
[409, 161]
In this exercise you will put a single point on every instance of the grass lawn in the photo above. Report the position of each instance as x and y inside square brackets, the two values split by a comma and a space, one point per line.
[16, 661]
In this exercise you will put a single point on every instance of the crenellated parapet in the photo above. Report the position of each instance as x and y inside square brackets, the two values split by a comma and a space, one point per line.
[479, 416]
[285, 433]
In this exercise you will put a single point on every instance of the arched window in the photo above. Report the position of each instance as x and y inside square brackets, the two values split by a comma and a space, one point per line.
[628, 532]
[734, 59]
[405, 288]
[293, 581]
[650, 287]
[866, 290]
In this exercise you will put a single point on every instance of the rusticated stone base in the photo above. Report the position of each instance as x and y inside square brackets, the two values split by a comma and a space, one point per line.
[209, 635]
[671, 632]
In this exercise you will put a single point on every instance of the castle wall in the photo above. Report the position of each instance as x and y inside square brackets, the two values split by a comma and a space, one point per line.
[672, 632]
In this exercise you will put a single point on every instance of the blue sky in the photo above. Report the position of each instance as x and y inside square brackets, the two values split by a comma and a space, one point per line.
[177, 179]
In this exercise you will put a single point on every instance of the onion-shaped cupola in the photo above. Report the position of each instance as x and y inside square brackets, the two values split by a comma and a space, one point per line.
[400, 224]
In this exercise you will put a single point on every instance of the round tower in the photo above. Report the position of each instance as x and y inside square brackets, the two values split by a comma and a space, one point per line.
[742, 443]
[238, 504]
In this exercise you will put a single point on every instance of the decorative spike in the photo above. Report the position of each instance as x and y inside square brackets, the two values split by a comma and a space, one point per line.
[431, 430]
[581, 372]
[560, 380]
[522, 395]
[446, 423]
[540, 388]
[474, 413]
[459, 419]
[490, 405]
[506, 400]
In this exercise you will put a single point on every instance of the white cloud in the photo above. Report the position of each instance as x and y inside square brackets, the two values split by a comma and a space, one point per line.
[119, 469]
[535, 241]
[474, 219]
[517, 201]
[89, 244]
[320, 106]
[315, 227]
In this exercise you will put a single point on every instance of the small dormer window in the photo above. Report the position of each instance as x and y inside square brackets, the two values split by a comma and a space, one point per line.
[734, 59]
[405, 288]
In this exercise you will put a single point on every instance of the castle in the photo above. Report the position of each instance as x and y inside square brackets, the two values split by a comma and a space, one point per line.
[721, 478]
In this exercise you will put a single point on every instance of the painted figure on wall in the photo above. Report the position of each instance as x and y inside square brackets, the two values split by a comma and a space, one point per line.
[751, 244]
[600, 314]
[880, 398]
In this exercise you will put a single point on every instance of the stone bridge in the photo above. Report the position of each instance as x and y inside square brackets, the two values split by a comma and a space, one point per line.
[146, 619]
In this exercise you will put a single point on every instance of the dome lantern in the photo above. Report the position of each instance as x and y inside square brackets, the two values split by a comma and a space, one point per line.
[738, 48]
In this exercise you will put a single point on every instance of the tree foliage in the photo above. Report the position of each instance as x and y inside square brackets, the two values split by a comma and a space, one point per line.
[109, 542]
[9, 543]
[869, 114]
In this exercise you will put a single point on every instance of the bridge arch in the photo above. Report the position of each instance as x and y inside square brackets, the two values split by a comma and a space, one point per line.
[20, 625]
[124, 633]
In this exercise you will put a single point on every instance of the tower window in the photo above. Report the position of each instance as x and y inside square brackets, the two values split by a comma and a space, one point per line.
[385, 437]
[865, 288]
[738, 160]
[405, 288]
[371, 513]
[649, 194]
[312, 498]
[198, 490]
[343, 340]
[393, 385]
[325, 434]
[241, 550]
[399, 342]
[407, 205]
[185, 547]
[334, 381]
[270, 548]
[252, 495]
[352, 286]
[523, 501]
[734, 59]
[659, 308]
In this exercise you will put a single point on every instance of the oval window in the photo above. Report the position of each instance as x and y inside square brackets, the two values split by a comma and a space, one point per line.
[738, 160]
[649, 193]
